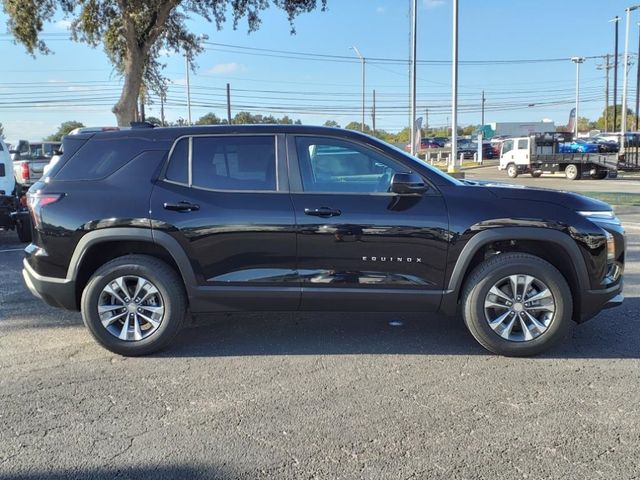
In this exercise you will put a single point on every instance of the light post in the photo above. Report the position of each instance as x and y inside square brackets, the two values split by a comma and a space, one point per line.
[362, 59]
[615, 20]
[187, 65]
[625, 75]
[453, 164]
[578, 61]
[414, 50]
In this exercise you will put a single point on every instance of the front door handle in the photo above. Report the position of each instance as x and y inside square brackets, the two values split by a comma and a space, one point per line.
[322, 212]
[181, 206]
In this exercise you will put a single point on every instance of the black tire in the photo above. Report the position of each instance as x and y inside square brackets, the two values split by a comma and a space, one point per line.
[600, 175]
[536, 174]
[23, 229]
[572, 171]
[512, 170]
[164, 278]
[491, 271]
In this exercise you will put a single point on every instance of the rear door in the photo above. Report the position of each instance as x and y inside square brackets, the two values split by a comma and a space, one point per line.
[359, 246]
[225, 199]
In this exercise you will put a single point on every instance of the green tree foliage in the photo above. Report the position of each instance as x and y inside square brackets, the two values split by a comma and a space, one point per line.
[133, 33]
[331, 123]
[154, 121]
[63, 129]
[1, 132]
[209, 119]
[246, 118]
[600, 123]
[358, 126]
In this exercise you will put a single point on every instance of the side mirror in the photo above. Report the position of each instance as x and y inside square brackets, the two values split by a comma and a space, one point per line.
[408, 184]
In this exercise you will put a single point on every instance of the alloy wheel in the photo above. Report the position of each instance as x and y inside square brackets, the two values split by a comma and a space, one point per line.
[519, 308]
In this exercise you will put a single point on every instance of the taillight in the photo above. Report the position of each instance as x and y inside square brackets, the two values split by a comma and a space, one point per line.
[24, 171]
[36, 201]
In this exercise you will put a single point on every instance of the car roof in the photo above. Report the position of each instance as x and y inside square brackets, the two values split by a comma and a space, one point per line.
[167, 133]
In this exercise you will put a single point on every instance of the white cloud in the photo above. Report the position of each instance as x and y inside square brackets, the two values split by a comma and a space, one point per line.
[434, 3]
[380, 10]
[227, 69]
[63, 24]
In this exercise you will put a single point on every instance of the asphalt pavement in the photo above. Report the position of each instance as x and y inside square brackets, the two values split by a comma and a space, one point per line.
[283, 395]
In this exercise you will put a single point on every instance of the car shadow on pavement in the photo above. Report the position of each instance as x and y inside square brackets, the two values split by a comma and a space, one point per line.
[613, 334]
[132, 473]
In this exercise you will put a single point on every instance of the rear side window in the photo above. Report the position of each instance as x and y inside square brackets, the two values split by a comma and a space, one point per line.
[523, 144]
[178, 168]
[99, 158]
[234, 163]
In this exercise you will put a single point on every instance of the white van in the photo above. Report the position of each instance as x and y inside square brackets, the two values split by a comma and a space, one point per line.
[7, 181]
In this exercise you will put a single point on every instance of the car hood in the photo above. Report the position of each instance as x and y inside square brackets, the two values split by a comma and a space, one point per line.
[570, 200]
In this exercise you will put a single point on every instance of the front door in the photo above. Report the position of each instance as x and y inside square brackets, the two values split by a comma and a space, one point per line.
[226, 201]
[359, 246]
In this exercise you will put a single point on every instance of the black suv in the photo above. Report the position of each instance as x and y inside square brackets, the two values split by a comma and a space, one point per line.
[139, 228]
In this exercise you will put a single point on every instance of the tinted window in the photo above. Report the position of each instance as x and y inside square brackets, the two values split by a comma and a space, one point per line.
[178, 169]
[234, 163]
[331, 165]
[523, 144]
[99, 158]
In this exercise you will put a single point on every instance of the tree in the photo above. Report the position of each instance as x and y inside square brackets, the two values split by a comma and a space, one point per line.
[63, 129]
[600, 123]
[133, 33]
[209, 119]
[154, 121]
[358, 126]
[331, 123]
[1, 132]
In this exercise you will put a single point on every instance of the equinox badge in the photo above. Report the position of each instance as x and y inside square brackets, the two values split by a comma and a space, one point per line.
[392, 259]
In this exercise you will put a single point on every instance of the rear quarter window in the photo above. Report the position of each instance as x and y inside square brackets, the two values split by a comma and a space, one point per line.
[99, 158]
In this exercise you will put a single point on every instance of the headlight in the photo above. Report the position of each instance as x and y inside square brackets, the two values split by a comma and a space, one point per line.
[601, 216]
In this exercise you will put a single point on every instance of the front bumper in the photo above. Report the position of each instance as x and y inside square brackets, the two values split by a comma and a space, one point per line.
[593, 301]
[57, 292]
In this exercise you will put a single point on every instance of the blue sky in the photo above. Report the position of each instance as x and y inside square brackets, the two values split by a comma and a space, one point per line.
[315, 91]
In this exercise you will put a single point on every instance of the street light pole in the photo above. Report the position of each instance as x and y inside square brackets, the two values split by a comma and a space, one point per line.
[414, 51]
[616, 20]
[625, 75]
[362, 59]
[453, 164]
[186, 63]
[635, 118]
[578, 61]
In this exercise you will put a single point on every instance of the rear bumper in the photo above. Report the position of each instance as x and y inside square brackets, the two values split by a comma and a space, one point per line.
[57, 292]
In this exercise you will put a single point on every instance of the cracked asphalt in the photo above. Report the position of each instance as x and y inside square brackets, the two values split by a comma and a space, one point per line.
[316, 396]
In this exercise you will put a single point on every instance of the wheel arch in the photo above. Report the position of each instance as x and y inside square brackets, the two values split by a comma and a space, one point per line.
[100, 246]
[552, 245]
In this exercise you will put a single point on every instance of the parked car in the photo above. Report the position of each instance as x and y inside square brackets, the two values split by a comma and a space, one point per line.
[578, 146]
[30, 161]
[138, 228]
[604, 146]
[13, 214]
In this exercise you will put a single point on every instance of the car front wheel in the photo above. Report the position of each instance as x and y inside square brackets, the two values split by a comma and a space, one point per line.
[517, 304]
[134, 305]
[512, 170]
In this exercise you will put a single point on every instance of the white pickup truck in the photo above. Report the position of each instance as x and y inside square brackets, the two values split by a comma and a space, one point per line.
[554, 152]
[29, 161]
[13, 213]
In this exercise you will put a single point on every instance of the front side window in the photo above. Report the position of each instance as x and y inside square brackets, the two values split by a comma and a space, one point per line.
[507, 146]
[332, 165]
[234, 163]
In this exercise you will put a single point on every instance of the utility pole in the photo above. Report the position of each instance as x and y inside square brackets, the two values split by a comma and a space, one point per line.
[362, 59]
[426, 118]
[162, 109]
[186, 63]
[373, 112]
[606, 67]
[414, 54]
[142, 115]
[616, 20]
[635, 118]
[229, 103]
[483, 100]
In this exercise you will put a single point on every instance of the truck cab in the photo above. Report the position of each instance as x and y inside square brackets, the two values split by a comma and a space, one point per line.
[515, 155]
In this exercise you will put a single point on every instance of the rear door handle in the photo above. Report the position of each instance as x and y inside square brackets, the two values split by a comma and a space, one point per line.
[181, 206]
[322, 212]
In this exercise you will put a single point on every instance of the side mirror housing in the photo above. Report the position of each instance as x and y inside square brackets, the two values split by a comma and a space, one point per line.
[408, 184]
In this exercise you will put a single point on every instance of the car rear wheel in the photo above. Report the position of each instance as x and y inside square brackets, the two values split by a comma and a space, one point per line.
[536, 174]
[517, 304]
[512, 170]
[601, 175]
[572, 172]
[23, 229]
[134, 305]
